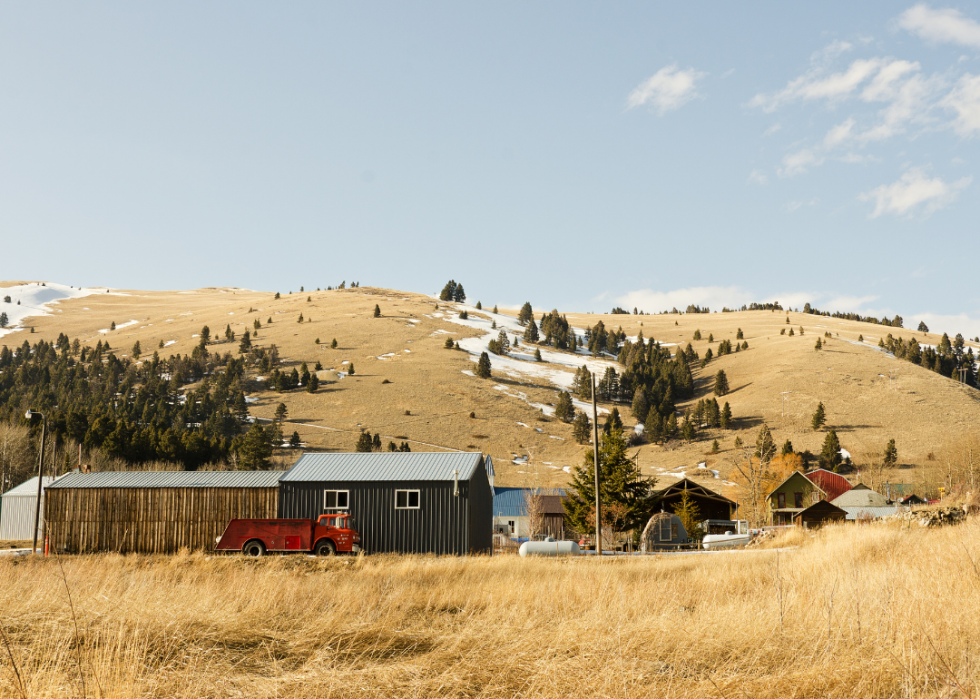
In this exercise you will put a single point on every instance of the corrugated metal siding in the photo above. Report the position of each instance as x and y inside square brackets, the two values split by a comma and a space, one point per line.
[392, 466]
[444, 523]
[17, 518]
[170, 479]
[28, 488]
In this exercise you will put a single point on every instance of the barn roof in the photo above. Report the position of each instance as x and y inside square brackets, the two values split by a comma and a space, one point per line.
[386, 466]
[861, 497]
[510, 502]
[692, 488]
[854, 513]
[832, 484]
[27, 489]
[820, 508]
[169, 479]
[794, 475]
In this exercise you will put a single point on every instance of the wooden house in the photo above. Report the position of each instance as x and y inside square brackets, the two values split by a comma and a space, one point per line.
[818, 514]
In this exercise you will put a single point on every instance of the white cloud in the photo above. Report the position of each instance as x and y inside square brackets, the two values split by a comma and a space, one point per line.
[758, 177]
[831, 51]
[839, 134]
[815, 85]
[792, 206]
[669, 88]
[946, 26]
[799, 162]
[914, 192]
[883, 86]
[965, 101]
[772, 129]
[717, 297]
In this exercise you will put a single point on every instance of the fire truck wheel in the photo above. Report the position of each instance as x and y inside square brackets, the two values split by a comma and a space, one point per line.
[254, 548]
[326, 548]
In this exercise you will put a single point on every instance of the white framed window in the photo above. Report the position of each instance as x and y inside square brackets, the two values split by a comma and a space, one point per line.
[336, 500]
[407, 499]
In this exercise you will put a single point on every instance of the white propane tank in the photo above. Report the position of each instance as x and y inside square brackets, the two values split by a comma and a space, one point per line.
[548, 548]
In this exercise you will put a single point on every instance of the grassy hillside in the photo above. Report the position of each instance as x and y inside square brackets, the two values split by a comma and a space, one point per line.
[408, 387]
[852, 612]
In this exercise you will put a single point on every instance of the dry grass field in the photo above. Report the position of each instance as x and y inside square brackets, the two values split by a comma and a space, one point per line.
[869, 396]
[857, 611]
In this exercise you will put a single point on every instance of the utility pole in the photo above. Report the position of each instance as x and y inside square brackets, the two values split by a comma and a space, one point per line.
[595, 454]
[40, 474]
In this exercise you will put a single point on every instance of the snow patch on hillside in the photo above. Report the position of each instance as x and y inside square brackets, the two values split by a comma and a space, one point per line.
[121, 326]
[36, 299]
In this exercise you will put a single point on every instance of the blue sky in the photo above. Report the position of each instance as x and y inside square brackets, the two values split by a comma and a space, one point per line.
[568, 154]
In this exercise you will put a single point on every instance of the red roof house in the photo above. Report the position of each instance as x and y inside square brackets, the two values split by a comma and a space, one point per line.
[833, 484]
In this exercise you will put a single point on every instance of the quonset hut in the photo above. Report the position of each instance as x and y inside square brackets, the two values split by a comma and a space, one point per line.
[407, 502]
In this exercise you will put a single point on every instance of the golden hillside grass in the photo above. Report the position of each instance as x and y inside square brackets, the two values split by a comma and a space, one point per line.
[924, 412]
[874, 611]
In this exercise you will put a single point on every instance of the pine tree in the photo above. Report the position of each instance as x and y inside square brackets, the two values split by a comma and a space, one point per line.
[333, 344]
[830, 456]
[404, 447]
[715, 447]
[205, 336]
[721, 383]
[483, 367]
[136, 350]
[479, 306]
[819, 345]
[564, 410]
[246, 344]
[377, 311]
[255, 450]
[392, 446]
[448, 291]
[313, 385]
[697, 335]
[860, 338]
[350, 368]
[582, 428]
[819, 418]
[459, 295]
[787, 448]
[537, 355]
[738, 335]
[791, 333]
[376, 442]
[641, 406]
[526, 314]
[294, 441]
[531, 331]
[923, 328]
[4, 320]
[494, 308]
[690, 514]
[112, 326]
[765, 447]
[364, 443]
[281, 412]
[449, 343]
[711, 337]
[625, 492]
[726, 416]
[891, 453]
[300, 319]
[688, 431]
[670, 431]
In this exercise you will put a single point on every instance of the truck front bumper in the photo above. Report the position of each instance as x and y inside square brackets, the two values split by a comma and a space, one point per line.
[355, 548]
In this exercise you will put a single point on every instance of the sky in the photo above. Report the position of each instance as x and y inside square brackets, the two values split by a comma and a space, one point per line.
[574, 155]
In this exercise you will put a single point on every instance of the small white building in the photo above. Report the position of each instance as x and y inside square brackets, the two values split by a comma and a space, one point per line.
[17, 511]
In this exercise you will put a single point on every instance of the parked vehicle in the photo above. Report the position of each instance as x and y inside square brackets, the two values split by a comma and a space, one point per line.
[738, 535]
[324, 536]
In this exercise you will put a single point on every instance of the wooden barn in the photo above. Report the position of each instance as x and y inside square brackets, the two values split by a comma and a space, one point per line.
[510, 515]
[406, 502]
[711, 505]
[153, 511]
[820, 513]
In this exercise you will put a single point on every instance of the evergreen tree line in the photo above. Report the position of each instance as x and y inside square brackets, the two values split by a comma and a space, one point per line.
[367, 443]
[895, 322]
[132, 411]
[948, 358]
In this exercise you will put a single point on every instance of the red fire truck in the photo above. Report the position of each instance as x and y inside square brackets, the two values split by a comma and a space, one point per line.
[324, 536]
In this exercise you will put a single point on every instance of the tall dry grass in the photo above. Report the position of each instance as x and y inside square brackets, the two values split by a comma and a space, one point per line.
[873, 611]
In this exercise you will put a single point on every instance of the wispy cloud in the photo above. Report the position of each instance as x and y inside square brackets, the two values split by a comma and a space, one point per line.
[816, 84]
[772, 129]
[758, 177]
[792, 206]
[799, 162]
[965, 101]
[669, 88]
[717, 297]
[945, 26]
[914, 193]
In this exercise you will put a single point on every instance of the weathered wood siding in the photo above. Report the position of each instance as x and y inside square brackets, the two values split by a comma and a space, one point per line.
[149, 520]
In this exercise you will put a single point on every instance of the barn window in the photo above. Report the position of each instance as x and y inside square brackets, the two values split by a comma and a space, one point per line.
[336, 500]
[407, 499]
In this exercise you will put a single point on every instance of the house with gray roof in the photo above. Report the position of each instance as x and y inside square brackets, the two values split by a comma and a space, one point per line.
[863, 503]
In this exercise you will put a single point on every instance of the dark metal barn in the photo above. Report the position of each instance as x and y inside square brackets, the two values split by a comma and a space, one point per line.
[408, 502]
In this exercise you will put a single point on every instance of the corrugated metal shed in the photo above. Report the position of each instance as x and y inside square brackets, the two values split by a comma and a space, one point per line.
[875, 512]
[170, 479]
[18, 509]
[510, 502]
[395, 466]
[860, 497]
